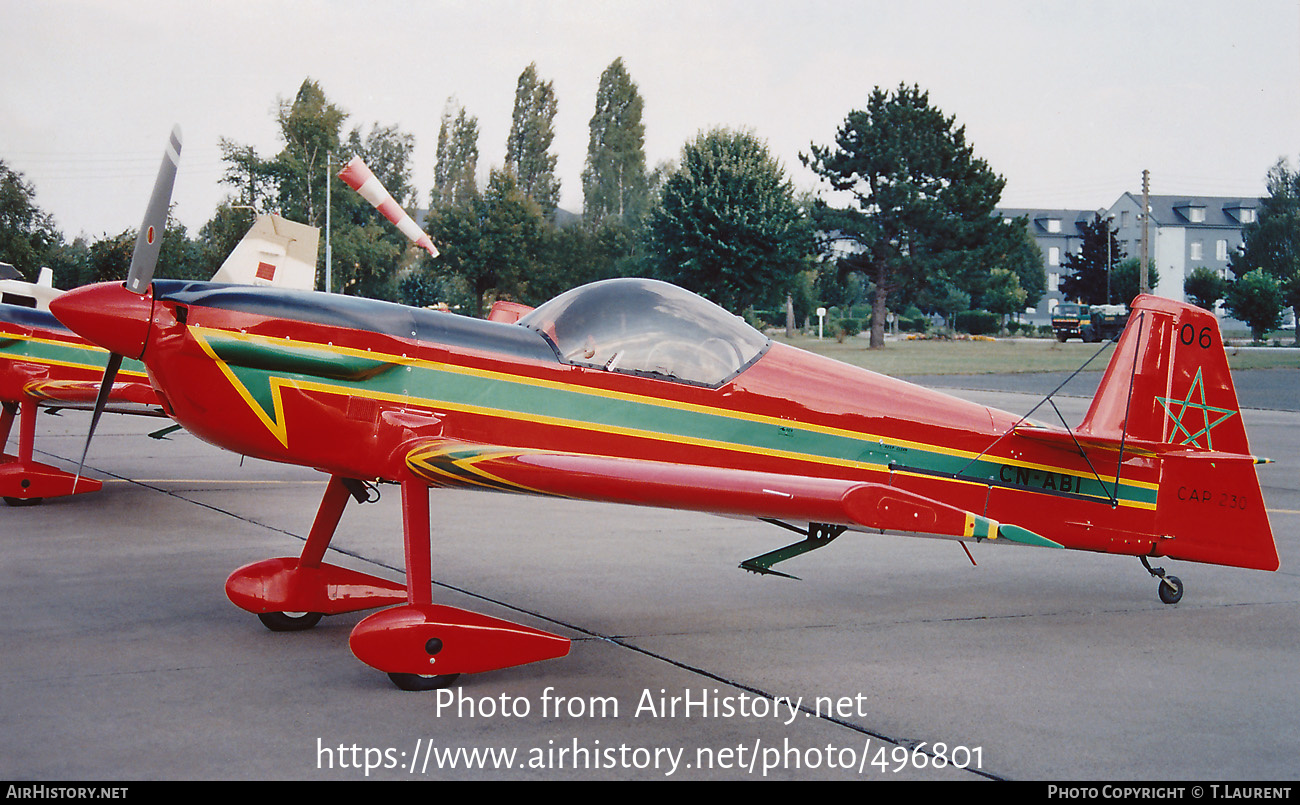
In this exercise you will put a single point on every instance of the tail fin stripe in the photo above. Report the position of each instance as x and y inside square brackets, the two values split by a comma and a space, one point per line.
[1128, 405]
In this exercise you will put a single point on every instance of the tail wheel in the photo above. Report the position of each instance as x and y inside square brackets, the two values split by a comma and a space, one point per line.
[1171, 589]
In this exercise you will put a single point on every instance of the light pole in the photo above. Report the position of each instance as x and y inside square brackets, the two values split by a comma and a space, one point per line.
[329, 168]
[1109, 249]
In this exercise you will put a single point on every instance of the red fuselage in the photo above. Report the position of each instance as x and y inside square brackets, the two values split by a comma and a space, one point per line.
[349, 385]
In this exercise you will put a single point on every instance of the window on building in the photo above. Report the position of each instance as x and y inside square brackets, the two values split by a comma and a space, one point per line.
[1196, 215]
[1247, 216]
[1123, 218]
[1221, 249]
[1054, 281]
[1053, 224]
[1196, 249]
[1054, 255]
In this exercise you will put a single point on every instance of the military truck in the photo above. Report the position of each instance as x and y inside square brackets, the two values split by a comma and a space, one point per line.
[1092, 323]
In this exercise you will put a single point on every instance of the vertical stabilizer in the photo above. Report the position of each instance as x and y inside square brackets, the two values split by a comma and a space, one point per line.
[276, 252]
[1168, 384]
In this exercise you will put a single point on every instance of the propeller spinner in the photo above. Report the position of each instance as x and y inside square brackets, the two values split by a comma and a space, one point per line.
[117, 316]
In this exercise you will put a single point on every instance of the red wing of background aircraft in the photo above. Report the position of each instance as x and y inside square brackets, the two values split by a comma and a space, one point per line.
[639, 392]
[43, 364]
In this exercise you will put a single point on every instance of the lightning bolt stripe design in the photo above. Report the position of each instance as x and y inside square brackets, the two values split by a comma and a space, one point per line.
[456, 465]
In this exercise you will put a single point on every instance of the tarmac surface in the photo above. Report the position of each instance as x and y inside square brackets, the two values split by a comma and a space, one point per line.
[123, 659]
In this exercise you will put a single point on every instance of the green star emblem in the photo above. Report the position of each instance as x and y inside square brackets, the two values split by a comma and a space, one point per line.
[1185, 416]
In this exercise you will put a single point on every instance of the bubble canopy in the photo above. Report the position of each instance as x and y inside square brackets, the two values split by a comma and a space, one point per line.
[647, 327]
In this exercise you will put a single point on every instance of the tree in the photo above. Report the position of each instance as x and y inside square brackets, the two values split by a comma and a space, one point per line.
[70, 263]
[179, 257]
[1004, 295]
[26, 233]
[493, 243]
[387, 152]
[222, 233]
[367, 252]
[1126, 279]
[253, 178]
[1256, 299]
[1204, 287]
[532, 129]
[110, 257]
[922, 202]
[1089, 274]
[455, 176]
[1013, 248]
[1272, 240]
[309, 126]
[726, 224]
[946, 300]
[614, 181]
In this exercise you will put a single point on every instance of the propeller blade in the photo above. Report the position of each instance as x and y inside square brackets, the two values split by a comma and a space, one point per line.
[144, 259]
[360, 178]
[101, 400]
[148, 241]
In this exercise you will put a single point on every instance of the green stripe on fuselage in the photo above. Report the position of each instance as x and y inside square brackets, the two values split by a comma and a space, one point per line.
[56, 353]
[433, 386]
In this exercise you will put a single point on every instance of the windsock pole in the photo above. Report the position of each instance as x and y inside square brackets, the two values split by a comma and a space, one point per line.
[360, 178]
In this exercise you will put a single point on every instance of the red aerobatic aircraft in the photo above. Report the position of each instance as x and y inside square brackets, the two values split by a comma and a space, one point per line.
[635, 391]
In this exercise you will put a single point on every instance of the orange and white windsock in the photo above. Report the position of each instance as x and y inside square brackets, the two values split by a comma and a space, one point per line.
[360, 178]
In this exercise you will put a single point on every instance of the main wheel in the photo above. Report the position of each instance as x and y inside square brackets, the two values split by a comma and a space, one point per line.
[1168, 594]
[23, 501]
[289, 621]
[421, 682]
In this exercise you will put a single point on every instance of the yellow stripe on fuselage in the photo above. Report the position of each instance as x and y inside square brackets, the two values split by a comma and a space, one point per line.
[278, 428]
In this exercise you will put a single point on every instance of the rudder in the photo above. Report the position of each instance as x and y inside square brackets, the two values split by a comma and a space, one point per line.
[1168, 385]
[1168, 382]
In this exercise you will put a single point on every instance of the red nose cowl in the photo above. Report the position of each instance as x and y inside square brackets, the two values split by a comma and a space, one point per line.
[109, 315]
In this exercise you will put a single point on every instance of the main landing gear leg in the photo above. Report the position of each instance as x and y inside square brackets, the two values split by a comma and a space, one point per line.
[23, 480]
[291, 594]
[417, 538]
[1171, 587]
[423, 645]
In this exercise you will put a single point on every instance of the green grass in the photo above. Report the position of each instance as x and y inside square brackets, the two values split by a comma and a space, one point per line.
[1007, 355]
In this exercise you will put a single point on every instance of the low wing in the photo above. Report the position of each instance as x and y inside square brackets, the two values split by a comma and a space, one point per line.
[717, 490]
[128, 397]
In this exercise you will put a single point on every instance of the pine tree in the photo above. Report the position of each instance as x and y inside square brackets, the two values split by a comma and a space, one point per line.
[922, 202]
[1090, 271]
[528, 147]
[614, 181]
